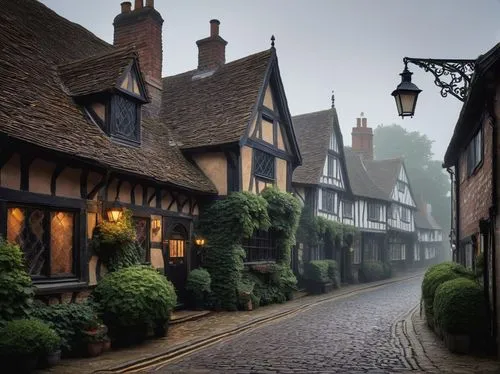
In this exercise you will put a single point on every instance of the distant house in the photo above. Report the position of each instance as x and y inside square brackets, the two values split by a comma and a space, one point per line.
[321, 182]
[85, 126]
[386, 200]
[429, 247]
[472, 159]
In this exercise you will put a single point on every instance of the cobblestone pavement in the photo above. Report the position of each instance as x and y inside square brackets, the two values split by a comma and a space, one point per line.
[350, 335]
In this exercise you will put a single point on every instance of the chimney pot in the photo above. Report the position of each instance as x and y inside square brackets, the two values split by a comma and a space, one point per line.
[150, 3]
[138, 4]
[214, 27]
[358, 122]
[364, 121]
[126, 6]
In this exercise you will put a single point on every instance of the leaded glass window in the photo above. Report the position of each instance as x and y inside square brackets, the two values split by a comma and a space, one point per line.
[142, 235]
[124, 121]
[263, 164]
[46, 238]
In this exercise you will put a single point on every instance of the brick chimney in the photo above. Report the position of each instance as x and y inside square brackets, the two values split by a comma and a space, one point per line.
[362, 138]
[211, 50]
[142, 27]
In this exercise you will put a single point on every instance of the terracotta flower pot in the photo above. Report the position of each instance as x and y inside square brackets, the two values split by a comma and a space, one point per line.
[106, 345]
[94, 349]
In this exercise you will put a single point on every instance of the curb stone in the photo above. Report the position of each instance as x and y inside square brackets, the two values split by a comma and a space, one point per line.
[184, 349]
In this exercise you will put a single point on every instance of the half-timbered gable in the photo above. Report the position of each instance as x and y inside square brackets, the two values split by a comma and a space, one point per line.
[429, 247]
[322, 180]
[234, 123]
[74, 142]
[391, 177]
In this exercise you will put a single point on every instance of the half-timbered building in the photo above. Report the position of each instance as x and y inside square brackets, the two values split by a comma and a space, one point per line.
[86, 126]
[429, 247]
[321, 182]
[232, 121]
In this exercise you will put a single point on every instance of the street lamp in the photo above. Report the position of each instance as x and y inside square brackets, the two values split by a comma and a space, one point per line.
[458, 73]
[115, 212]
[406, 94]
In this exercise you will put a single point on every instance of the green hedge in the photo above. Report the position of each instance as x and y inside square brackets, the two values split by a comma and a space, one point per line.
[27, 337]
[134, 300]
[69, 321]
[322, 271]
[370, 271]
[434, 277]
[16, 290]
[459, 307]
[198, 287]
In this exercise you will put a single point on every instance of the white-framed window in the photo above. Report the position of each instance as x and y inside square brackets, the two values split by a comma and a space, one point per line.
[416, 253]
[398, 251]
[405, 214]
[475, 152]
[374, 212]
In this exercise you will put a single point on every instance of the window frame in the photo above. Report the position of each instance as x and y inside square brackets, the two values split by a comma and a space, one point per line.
[405, 215]
[257, 173]
[324, 201]
[77, 249]
[474, 160]
[370, 208]
[401, 186]
[344, 204]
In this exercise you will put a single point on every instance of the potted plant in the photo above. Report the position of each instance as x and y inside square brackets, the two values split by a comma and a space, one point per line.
[95, 340]
[23, 341]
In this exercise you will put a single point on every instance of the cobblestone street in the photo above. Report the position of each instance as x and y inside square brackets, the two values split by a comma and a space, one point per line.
[354, 334]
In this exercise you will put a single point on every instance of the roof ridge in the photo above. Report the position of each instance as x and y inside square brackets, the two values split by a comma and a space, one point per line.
[311, 113]
[114, 51]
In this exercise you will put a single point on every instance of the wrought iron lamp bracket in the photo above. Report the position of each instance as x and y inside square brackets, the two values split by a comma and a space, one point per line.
[458, 74]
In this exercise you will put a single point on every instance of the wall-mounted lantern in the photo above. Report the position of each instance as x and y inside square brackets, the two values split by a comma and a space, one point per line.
[115, 212]
[156, 224]
[200, 242]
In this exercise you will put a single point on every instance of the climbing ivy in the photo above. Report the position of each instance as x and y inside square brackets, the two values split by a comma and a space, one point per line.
[115, 243]
[225, 223]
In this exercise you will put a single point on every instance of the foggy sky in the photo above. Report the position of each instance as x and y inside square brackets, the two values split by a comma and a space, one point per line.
[354, 47]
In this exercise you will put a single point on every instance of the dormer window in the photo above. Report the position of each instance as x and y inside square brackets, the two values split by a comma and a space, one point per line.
[111, 90]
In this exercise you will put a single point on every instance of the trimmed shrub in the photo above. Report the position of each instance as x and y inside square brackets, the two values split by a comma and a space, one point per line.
[333, 272]
[16, 290]
[460, 308]
[317, 271]
[370, 271]
[69, 321]
[27, 337]
[132, 301]
[434, 277]
[198, 287]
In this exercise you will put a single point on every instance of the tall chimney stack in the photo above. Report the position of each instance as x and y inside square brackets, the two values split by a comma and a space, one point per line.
[142, 28]
[212, 50]
[362, 138]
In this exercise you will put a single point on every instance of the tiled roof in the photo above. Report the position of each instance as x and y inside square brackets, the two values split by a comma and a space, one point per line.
[313, 132]
[96, 73]
[425, 221]
[361, 184]
[210, 109]
[384, 173]
[35, 107]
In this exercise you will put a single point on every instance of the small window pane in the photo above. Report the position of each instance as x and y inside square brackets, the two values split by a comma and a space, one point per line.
[176, 248]
[263, 164]
[61, 243]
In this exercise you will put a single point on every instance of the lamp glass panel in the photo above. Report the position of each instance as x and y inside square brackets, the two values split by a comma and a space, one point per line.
[408, 102]
[114, 215]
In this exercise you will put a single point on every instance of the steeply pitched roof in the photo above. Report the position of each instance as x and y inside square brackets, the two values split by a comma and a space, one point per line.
[214, 109]
[313, 131]
[97, 73]
[384, 173]
[361, 184]
[425, 221]
[35, 108]
[313, 135]
[473, 107]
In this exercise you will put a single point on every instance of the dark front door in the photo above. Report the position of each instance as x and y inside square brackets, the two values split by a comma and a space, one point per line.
[176, 248]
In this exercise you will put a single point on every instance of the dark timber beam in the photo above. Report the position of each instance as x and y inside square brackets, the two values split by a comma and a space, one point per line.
[53, 179]
[103, 182]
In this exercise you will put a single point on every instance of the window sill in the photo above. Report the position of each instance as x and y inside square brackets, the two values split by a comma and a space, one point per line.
[59, 287]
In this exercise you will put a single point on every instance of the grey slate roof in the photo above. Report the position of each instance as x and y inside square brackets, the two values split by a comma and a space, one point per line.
[426, 221]
[361, 183]
[384, 173]
[313, 131]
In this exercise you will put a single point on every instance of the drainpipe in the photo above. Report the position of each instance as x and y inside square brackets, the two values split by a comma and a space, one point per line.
[454, 196]
[493, 215]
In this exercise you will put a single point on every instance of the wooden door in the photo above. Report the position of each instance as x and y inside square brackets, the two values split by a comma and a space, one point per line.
[176, 248]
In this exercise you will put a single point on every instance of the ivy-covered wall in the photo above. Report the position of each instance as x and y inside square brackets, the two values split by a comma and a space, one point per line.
[225, 223]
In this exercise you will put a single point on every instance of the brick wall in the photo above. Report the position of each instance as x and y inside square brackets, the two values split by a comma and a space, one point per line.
[475, 190]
